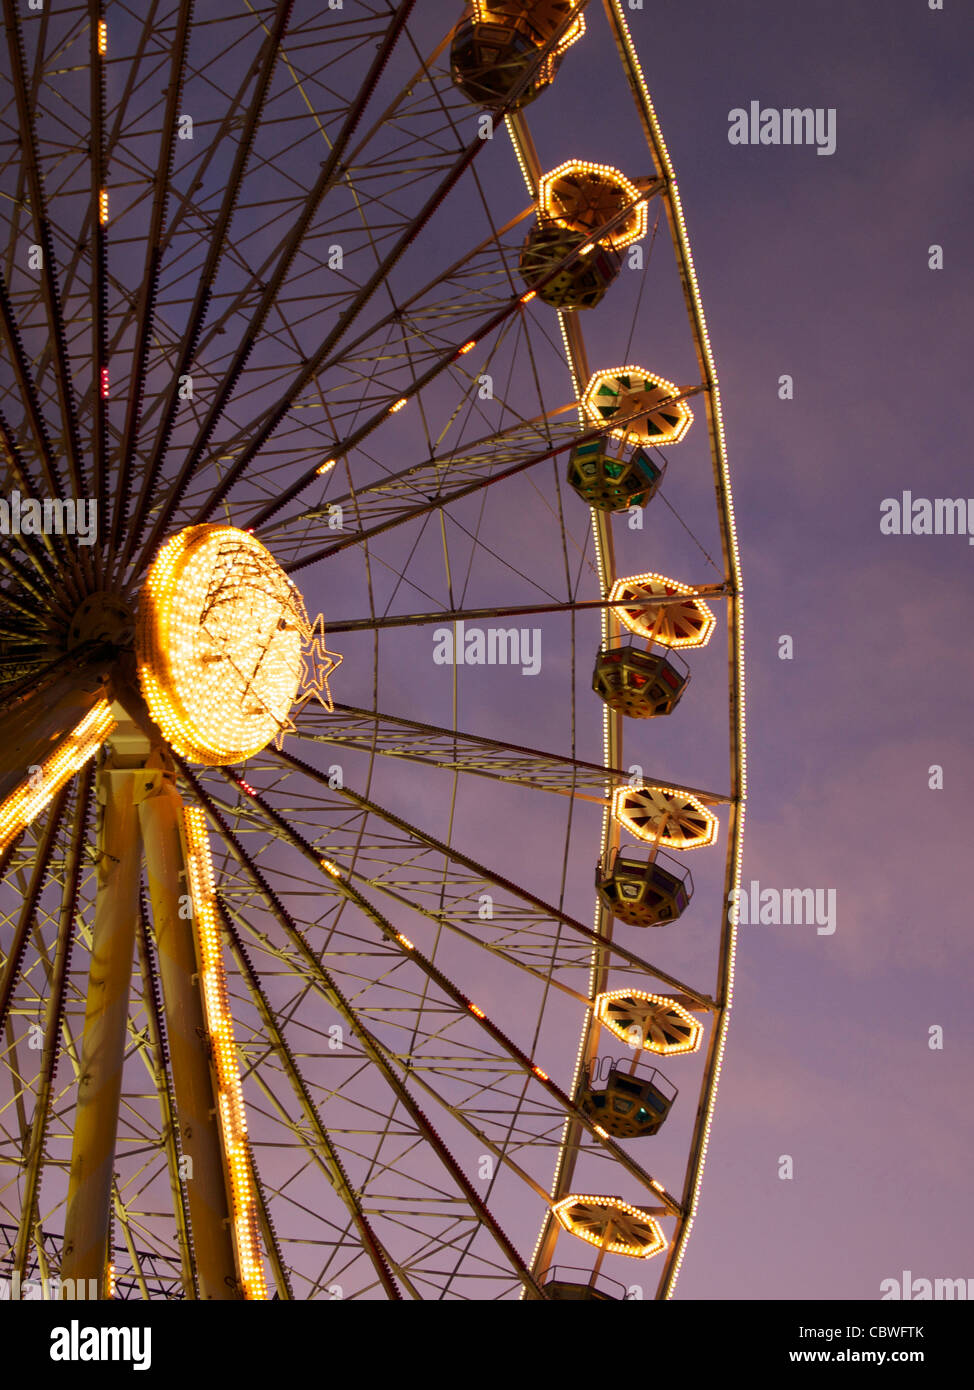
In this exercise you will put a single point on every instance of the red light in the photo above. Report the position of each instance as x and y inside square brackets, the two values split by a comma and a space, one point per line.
[104, 383]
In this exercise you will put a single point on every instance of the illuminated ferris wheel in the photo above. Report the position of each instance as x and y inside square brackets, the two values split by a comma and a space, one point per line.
[302, 991]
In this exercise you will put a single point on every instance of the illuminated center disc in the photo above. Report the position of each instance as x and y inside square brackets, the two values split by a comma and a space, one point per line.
[220, 642]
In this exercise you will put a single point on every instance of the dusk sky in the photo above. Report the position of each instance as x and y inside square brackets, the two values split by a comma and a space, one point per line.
[817, 266]
[836, 280]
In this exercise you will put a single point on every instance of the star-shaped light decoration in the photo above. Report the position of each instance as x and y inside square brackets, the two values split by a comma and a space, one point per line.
[318, 664]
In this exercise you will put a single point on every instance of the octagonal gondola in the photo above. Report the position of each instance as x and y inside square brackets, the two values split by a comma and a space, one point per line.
[582, 281]
[566, 1283]
[495, 49]
[606, 479]
[639, 684]
[629, 1106]
[643, 893]
[490, 61]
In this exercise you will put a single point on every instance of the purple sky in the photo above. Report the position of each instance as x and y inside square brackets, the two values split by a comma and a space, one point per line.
[817, 267]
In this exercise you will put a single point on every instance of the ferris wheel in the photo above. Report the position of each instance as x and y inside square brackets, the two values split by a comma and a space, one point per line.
[365, 513]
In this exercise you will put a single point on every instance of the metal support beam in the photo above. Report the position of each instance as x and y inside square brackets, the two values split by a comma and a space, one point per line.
[167, 1104]
[160, 815]
[88, 1217]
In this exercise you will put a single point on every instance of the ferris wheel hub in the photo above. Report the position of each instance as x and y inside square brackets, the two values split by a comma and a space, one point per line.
[224, 645]
[102, 617]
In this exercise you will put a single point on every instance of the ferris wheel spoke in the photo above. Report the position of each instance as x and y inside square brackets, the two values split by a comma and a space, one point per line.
[481, 872]
[390, 399]
[264, 71]
[460, 1000]
[28, 397]
[457, 751]
[150, 276]
[387, 500]
[326, 1152]
[320, 361]
[332, 171]
[388, 496]
[449, 919]
[520, 610]
[523, 938]
[42, 226]
[99, 261]
[327, 987]
[28, 913]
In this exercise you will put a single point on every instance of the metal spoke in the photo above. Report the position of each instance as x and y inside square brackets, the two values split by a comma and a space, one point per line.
[150, 274]
[464, 752]
[204, 287]
[69, 418]
[376, 1053]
